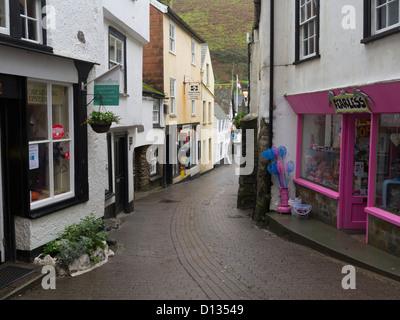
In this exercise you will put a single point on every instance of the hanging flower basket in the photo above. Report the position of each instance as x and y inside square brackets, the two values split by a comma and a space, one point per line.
[100, 127]
[101, 121]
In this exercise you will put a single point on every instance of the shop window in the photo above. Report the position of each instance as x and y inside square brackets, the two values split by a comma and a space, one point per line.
[387, 193]
[4, 17]
[320, 150]
[51, 150]
[116, 51]
[307, 29]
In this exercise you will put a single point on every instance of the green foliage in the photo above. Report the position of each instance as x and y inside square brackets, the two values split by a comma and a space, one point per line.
[238, 119]
[102, 117]
[223, 25]
[78, 239]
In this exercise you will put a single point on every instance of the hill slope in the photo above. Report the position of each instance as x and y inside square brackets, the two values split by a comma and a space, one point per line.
[223, 24]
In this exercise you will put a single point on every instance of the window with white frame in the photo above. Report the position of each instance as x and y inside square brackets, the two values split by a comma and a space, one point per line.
[51, 143]
[204, 112]
[156, 112]
[30, 13]
[193, 107]
[193, 52]
[116, 52]
[385, 14]
[4, 17]
[153, 160]
[307, 28]
[207, 74]
[172, 41]
[172, 95]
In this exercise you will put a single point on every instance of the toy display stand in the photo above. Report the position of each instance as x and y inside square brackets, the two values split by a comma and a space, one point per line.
[284, 206]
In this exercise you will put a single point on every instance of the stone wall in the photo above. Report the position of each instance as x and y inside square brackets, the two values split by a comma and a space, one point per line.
[142, 169]
[324, 208]
[384, 235]
[247, 183]
[263, 196]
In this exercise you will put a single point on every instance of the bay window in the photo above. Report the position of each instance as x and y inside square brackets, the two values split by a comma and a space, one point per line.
[51, 143]
[320, 150]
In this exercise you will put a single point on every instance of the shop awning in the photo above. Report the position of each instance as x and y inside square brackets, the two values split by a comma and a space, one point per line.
[384, 95]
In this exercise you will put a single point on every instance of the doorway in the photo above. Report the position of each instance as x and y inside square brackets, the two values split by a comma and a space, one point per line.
[121, 172]
[356, 168]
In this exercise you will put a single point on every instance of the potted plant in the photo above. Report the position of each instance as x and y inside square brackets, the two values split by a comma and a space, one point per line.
[101, 121]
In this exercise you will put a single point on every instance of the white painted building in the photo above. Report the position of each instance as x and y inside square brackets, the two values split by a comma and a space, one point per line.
[222, 136]
[302, 64]
[46, 93]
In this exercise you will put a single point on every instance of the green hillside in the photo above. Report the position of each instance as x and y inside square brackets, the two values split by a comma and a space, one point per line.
[223, 24]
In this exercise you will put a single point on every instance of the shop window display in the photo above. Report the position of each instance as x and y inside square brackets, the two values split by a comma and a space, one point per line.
[388, 163]
[321, 150]
[50, 143]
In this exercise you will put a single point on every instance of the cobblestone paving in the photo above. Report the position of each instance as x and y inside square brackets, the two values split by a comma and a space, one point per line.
[190, 242]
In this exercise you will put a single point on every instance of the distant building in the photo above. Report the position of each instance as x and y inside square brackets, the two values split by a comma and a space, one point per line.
[222, 137]
[175, 65]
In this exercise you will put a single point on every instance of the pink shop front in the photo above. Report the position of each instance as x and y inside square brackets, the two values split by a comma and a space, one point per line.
[348, 159]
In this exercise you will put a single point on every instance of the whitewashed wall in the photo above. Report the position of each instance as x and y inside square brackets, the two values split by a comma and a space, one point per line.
[344, 62]
[91, 19]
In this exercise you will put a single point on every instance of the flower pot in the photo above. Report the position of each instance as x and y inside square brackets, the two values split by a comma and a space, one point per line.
[100, 127]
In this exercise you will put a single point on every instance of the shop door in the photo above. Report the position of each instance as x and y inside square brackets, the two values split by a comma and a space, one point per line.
[356, 170]
[121, 169]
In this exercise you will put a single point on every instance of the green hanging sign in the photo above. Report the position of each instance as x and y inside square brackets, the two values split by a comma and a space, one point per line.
[106, 88]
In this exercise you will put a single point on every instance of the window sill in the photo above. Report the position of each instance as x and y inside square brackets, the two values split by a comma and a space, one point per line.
[380, 35]
[108, 194]
[384, 215]
[22, 44]
[317, 56]
[172, 115]
[325, 191]
[193, 115]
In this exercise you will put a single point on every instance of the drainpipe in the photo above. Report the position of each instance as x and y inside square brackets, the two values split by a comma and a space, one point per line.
[271, 87]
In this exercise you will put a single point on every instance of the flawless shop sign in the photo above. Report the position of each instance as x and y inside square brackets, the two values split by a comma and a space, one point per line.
[350, 102]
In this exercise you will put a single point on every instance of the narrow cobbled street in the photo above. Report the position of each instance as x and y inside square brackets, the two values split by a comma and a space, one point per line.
[190, 242]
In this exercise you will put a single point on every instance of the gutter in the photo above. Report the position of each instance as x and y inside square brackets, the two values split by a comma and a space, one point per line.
[271, 90]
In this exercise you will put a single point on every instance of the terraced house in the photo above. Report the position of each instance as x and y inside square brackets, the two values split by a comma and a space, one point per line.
[177, 63]
[330, 93]
[55, 169]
